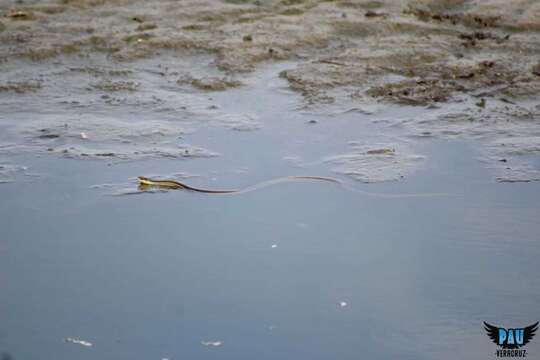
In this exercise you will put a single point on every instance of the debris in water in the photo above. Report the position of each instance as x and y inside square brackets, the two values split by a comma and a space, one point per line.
[371, 14]
[78, 342]
[212, 343]
[274, 246]
[49, 136]
[83, 136]
[342, 304]
[381, 152]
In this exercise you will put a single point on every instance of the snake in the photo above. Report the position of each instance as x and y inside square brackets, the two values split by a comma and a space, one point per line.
[146, 183]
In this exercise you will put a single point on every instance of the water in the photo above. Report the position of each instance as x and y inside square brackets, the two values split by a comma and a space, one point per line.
[265, 273]
[152, 276]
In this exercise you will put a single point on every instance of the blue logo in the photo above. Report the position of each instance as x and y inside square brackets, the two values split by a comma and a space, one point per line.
[511, 340]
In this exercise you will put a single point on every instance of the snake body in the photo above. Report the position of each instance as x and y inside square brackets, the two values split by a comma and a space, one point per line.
[145, 183]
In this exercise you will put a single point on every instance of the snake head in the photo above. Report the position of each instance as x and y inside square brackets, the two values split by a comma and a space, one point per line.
[144, 183]
[144, 180]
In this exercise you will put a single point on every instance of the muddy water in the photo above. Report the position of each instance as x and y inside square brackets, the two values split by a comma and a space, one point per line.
[305, 270]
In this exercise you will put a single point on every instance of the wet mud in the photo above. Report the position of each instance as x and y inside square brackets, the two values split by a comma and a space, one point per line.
[471, 65]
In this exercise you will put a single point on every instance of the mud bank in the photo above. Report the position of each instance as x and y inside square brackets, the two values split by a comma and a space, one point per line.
[472, 65]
